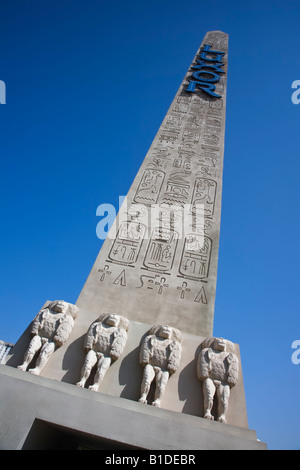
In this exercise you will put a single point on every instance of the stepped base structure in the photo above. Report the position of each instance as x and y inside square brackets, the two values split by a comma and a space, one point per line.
[134, 364]
[49, 414]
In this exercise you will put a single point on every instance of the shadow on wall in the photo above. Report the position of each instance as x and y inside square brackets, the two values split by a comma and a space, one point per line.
[131, 373]
[188, 382]
[16, 355]
[73, 360]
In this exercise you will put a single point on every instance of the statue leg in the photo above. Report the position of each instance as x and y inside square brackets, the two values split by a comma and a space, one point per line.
[162, 378]
[46, 351]
[103, 365]
[34, 345]
[89, 362]
[209, 390]
[223, 393]
[148, 377]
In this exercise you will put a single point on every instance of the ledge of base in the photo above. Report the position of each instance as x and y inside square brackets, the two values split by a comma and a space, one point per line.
[25, 398]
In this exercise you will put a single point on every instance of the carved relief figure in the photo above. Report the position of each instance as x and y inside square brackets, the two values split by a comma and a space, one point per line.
[190, 138]
[127, 245]
[177, 190]
[204, 196]
[218, 370]
[174, 120]
[150, 282]
[169, 135]
[193, 122]
[160, 356]
[161, 249]
[104, 343]
[195, 258]
[51, 328]
[149, 187]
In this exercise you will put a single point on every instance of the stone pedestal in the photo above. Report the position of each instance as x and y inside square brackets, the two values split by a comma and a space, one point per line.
[40, 414]
[113, 417]
[123, 379]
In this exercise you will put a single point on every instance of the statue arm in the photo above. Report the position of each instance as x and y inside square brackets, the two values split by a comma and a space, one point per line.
[203, 365]
[118, 344]
[37, 322]
[145, 351]
[233, 369]
[90, 337]
[175, 357]
[63, 331]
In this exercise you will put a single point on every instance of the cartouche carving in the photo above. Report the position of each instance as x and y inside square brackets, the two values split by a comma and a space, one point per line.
[218, 370]
[104, 343]
[160, 356]
[51, 328]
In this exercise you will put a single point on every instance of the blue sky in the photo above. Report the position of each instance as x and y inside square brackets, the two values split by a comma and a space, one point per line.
[88, 85]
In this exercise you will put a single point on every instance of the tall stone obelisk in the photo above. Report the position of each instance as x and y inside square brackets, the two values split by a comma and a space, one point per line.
[142, 327]
[151, 269]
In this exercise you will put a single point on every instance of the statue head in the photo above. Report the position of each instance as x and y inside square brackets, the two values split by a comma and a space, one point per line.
[166, 331]
[60, 306]
[113, 319]
[218, 344]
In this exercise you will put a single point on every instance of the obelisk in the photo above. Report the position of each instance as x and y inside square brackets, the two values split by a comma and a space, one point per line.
[148, 268]
[141, 332]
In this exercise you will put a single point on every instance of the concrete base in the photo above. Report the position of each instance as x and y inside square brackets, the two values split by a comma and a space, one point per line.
[36, 412]
[123, 379]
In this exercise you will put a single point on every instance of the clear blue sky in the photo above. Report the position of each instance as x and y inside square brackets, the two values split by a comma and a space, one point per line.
[88, 84]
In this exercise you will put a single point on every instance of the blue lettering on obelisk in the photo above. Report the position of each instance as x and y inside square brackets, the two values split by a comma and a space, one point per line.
[207, 72]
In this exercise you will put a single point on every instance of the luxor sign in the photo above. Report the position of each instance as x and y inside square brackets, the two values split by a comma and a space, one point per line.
[207, 71]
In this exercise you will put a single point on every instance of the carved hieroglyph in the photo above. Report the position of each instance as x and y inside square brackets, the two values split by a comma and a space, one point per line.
[163, 249]
[51, 328]
[104, 343]
[218, 370]
[160, 356]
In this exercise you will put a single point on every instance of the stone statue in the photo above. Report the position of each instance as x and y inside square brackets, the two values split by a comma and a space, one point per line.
[218, 370]
[51, 328]
[104, 343]
[160, 356]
